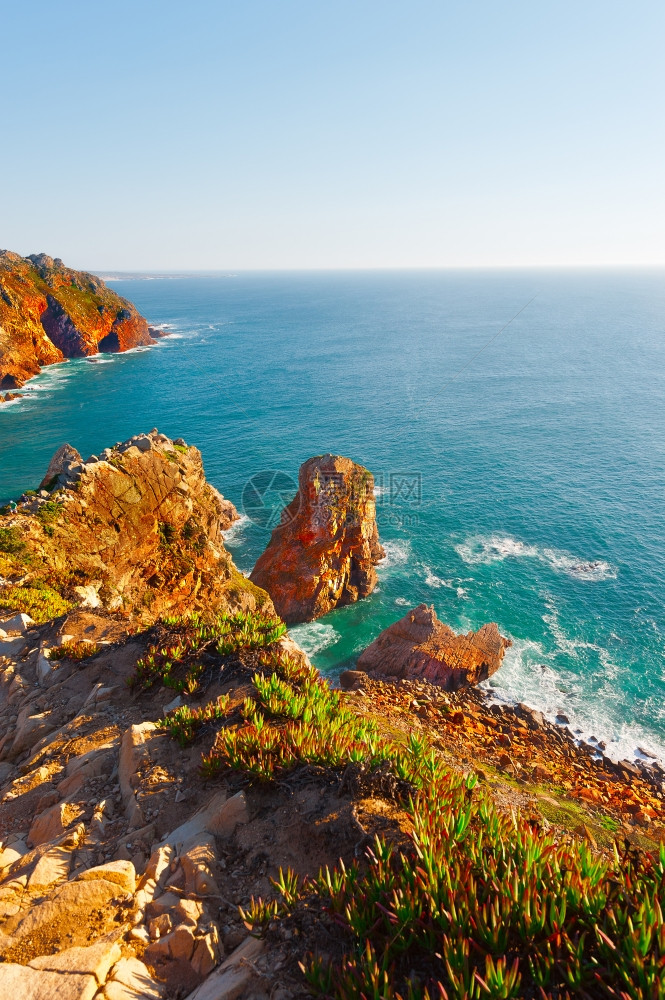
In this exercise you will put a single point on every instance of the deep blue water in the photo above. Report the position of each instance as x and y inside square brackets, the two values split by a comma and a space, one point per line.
[524, 484]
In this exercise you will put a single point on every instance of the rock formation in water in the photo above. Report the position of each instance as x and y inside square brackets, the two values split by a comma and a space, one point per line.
[324, 552]
[135, 530]
[419, 646]
[49, 312]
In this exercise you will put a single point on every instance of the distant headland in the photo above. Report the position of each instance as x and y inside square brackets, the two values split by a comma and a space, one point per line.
[49, 312]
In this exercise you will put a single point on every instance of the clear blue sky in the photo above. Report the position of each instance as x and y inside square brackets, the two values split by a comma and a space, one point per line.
[298, 133]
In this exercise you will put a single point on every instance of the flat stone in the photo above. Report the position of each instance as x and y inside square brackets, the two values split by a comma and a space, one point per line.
[52, 867]
[24, 983]
[159, 865]
[94, 960]
[65, 920]
[12, 853]
[121, 873]
[223, 821]
[231, 979]
[132, 981]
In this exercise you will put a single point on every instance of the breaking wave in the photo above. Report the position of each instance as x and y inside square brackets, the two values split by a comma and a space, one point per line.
[487, 549]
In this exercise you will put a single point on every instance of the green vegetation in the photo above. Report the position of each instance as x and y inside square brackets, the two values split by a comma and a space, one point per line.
[185, 722]
[181, 448]
[177, 664]
[42, 603]
[47, 514]
[12, 543]
[74, 651]
[478, 905]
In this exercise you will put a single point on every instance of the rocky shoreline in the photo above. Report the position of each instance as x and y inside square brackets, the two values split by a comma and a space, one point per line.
[161, 767]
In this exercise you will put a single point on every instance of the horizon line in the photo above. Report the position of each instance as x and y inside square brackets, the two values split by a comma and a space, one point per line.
[371, 269]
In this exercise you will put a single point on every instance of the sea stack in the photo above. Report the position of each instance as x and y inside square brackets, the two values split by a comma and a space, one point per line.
[420, 647]
[324, 552]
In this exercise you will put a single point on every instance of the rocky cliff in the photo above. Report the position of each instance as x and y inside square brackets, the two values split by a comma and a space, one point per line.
[136, 530]
[324, 552]
[49, 312]
[420, 647]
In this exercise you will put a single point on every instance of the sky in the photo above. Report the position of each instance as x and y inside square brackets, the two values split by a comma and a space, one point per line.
[292, 134]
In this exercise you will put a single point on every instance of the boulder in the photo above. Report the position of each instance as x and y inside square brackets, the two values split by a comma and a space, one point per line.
[420, 647]
[52, 823]
[18, 623]
[64, 459]
[324, 551]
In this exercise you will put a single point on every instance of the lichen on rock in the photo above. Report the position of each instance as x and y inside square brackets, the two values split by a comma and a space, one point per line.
[324, 553]
[136, 530]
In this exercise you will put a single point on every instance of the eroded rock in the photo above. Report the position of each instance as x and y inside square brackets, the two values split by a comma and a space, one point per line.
[420, 647]
[324, 552]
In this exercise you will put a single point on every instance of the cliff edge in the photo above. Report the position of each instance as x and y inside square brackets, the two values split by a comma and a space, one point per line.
[136, 530]
[48, 313]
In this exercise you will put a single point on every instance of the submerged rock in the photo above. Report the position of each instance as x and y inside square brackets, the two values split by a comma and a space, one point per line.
[419, 646]
[323, 553]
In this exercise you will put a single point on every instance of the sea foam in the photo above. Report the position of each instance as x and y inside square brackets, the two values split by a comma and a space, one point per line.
[313, 637]
[487, 549]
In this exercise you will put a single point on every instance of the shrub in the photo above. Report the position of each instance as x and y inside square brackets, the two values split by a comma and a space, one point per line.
[478, 905]
[74, 651]
[184, 723]
[40, 602]
[177, 664]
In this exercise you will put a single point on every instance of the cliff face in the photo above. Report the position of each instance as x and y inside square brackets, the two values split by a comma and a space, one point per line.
[49, 312]
[420, 647]
[323, 554]
[136, 530]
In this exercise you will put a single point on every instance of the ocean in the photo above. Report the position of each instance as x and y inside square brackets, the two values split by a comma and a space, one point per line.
[514, 422]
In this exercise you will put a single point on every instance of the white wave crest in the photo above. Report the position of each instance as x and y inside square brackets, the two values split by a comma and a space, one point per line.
[313, 637]
[397, 553]
[486, 549]
[235, 534]
[529, 674]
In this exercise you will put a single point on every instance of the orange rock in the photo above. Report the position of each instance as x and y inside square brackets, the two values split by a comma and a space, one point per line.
[324, 552]
[419, 646]
[49, 312]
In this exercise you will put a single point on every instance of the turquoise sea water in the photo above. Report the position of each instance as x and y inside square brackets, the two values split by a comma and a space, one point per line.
[524, 484]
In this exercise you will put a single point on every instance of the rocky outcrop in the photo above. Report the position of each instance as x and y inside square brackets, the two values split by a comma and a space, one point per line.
[49, 312]
[136, 530]
[324, 552]
[420, 647]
